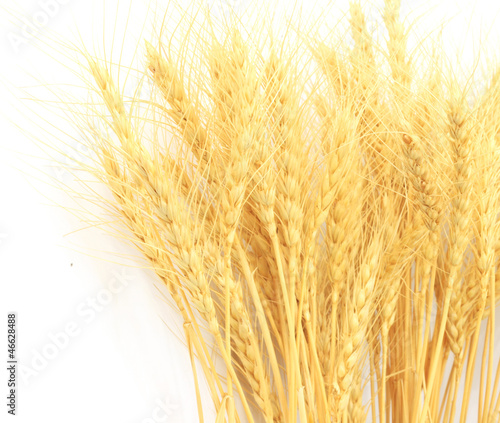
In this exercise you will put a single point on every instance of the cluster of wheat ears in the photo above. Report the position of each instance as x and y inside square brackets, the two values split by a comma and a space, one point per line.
[323, 214]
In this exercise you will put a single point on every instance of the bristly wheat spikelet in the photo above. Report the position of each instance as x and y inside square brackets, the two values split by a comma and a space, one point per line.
[290, 158]
[358, 303]
[144, 173]
[242, 118]
[283, 102]
[396, 44]
[338, 132]
[362, 61]
[340, 238]
[149, 240]
[365, 92]
[356, 411]
[245, 128]
[362, 55]
[428, 196]
[248, 352]
[460, 216]
[393, 266]
[182, 111]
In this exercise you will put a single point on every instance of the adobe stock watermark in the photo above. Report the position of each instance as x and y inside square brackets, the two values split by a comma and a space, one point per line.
[72, 159]
[227, 6]
[31, 26]
[232, 4]
[162, 412]
[86, 312]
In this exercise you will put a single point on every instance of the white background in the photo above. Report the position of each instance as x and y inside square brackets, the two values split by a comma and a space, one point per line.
[88, 354]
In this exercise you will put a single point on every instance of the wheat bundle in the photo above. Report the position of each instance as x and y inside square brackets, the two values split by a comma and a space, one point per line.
[325, 210]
